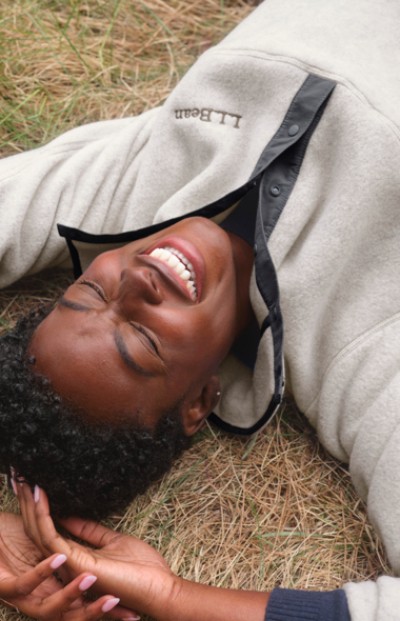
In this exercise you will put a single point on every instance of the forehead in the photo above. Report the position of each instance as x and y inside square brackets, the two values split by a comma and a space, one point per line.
[86, 369]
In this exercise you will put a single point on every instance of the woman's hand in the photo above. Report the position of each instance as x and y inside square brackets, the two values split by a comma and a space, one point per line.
[27, 582]
[135, 572]
[124, 565]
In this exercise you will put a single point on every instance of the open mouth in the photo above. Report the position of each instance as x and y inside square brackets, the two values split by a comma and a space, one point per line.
[180, 264]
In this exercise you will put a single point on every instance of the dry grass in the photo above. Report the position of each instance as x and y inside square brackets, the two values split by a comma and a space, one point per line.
[256, 514]
[67, 62]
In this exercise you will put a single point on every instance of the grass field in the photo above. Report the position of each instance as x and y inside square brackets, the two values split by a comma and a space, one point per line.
[272, 511]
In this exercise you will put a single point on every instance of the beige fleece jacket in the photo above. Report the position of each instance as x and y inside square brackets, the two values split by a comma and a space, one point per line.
[335, 246]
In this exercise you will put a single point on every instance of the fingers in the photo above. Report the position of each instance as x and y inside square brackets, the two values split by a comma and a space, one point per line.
[27, 506]
[67, 603]
[100, 607]
[93, 533]
[61, 601]
[123, 614]
[108, 605]
[37, 521]
[63, 604]
[27, 582]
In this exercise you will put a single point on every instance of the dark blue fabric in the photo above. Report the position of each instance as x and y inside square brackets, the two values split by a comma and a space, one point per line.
[242, 222]
[293, 605]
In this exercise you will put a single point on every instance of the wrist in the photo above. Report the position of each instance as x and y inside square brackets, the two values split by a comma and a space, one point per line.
[189, 601]
[164, 603]
[171, 608]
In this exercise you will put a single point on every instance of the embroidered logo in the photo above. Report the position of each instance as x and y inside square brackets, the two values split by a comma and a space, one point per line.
[209, 115]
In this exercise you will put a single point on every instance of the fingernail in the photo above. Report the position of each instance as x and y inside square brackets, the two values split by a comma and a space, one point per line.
[36, 493]
[87, 582]
[14, 486]
[110, 604]
[58, 561]
[132, 618]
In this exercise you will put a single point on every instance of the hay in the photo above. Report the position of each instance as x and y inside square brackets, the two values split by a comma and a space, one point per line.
[67, 63]
[233, 513]
[277, 511]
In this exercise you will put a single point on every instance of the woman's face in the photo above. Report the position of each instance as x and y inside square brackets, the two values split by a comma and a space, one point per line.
[147, 325]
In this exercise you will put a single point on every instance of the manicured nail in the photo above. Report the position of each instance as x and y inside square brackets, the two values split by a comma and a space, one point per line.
[110, 604]
[14, 486]
[58, 561]
[87, 582]
[36, 493]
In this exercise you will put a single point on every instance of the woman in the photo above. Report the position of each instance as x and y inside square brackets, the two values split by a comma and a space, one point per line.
[118, 349]
[290, 122]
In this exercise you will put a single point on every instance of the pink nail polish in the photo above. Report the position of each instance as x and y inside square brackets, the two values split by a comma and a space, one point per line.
[14, 486]
[36, 493]
[87, 582]
[58, 561]
[110, 604]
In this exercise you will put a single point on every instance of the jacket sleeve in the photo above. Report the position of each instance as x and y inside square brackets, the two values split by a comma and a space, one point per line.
[307, 605]
[359, 421]
[83, 178]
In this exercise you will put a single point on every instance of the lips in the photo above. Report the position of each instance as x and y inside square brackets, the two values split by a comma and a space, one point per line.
[184, 263]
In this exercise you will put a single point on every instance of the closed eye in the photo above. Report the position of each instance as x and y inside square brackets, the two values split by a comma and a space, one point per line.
[147, 335]
[96, 287]
[138, 327]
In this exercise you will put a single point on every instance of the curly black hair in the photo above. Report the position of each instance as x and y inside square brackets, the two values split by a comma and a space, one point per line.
[90, 470]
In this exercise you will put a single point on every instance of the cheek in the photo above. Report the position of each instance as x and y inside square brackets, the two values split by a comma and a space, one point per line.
[202, 339]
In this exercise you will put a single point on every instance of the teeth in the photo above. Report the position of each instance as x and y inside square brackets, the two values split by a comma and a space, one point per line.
[180, 264]
[164, 254]
[173, 261]
[180, 268]
[185, 275]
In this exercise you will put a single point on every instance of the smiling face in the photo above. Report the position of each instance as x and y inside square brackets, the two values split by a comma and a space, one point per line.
[147, 325]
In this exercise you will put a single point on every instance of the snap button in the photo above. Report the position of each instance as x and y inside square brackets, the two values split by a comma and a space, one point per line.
[275, 190]
[293, 130]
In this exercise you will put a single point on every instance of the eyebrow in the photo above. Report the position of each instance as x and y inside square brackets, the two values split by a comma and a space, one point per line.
[73, 305]
[119, 341]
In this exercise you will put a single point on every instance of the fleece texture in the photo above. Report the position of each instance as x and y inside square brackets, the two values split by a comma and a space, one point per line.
[335, 246]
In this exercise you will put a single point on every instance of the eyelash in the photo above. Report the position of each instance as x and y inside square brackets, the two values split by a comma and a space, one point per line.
[143, 331]
[99, 290]
[101, 293]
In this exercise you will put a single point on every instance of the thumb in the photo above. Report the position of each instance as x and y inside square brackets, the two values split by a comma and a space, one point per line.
[91, 532]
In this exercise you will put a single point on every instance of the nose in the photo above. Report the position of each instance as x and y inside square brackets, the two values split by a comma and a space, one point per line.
[137, 285]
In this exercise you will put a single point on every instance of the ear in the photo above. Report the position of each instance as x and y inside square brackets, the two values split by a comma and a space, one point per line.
[196, 409]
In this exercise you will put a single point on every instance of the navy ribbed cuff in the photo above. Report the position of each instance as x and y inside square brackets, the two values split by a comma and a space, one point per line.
[293, 605]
